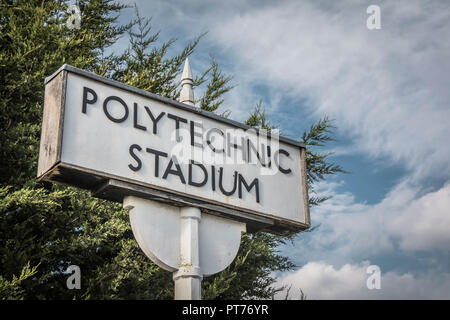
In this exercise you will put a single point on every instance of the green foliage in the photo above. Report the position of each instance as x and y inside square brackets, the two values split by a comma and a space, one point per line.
[11, 290]
[35, 42]
[249, 275]
[51, 227]
[67, 226]
[258, 119]
[217, 86]
[145, 64]
[317, 163]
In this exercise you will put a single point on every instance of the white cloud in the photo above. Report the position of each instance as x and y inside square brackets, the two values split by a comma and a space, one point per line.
[425, 222]
[319, 280]
[403, 223]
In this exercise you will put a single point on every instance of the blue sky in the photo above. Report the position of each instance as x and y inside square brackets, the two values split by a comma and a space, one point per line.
[388, 92]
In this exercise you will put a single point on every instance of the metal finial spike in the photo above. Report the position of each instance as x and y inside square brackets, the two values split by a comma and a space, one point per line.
[187, 73]
[187, 91]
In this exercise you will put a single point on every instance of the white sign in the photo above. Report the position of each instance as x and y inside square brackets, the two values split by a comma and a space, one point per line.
[98, 132]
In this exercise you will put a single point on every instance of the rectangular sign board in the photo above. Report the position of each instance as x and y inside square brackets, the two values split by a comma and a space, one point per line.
[117, 140]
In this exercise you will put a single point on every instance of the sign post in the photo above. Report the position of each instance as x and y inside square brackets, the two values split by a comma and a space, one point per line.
[189, 276]
[192, 181]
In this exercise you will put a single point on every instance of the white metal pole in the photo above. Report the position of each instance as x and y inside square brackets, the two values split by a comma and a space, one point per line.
[188, 278]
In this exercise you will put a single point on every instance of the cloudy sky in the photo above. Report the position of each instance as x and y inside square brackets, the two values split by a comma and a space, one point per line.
[388, 91]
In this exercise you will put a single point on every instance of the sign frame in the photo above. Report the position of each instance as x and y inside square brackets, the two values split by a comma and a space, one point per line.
[107, 186]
